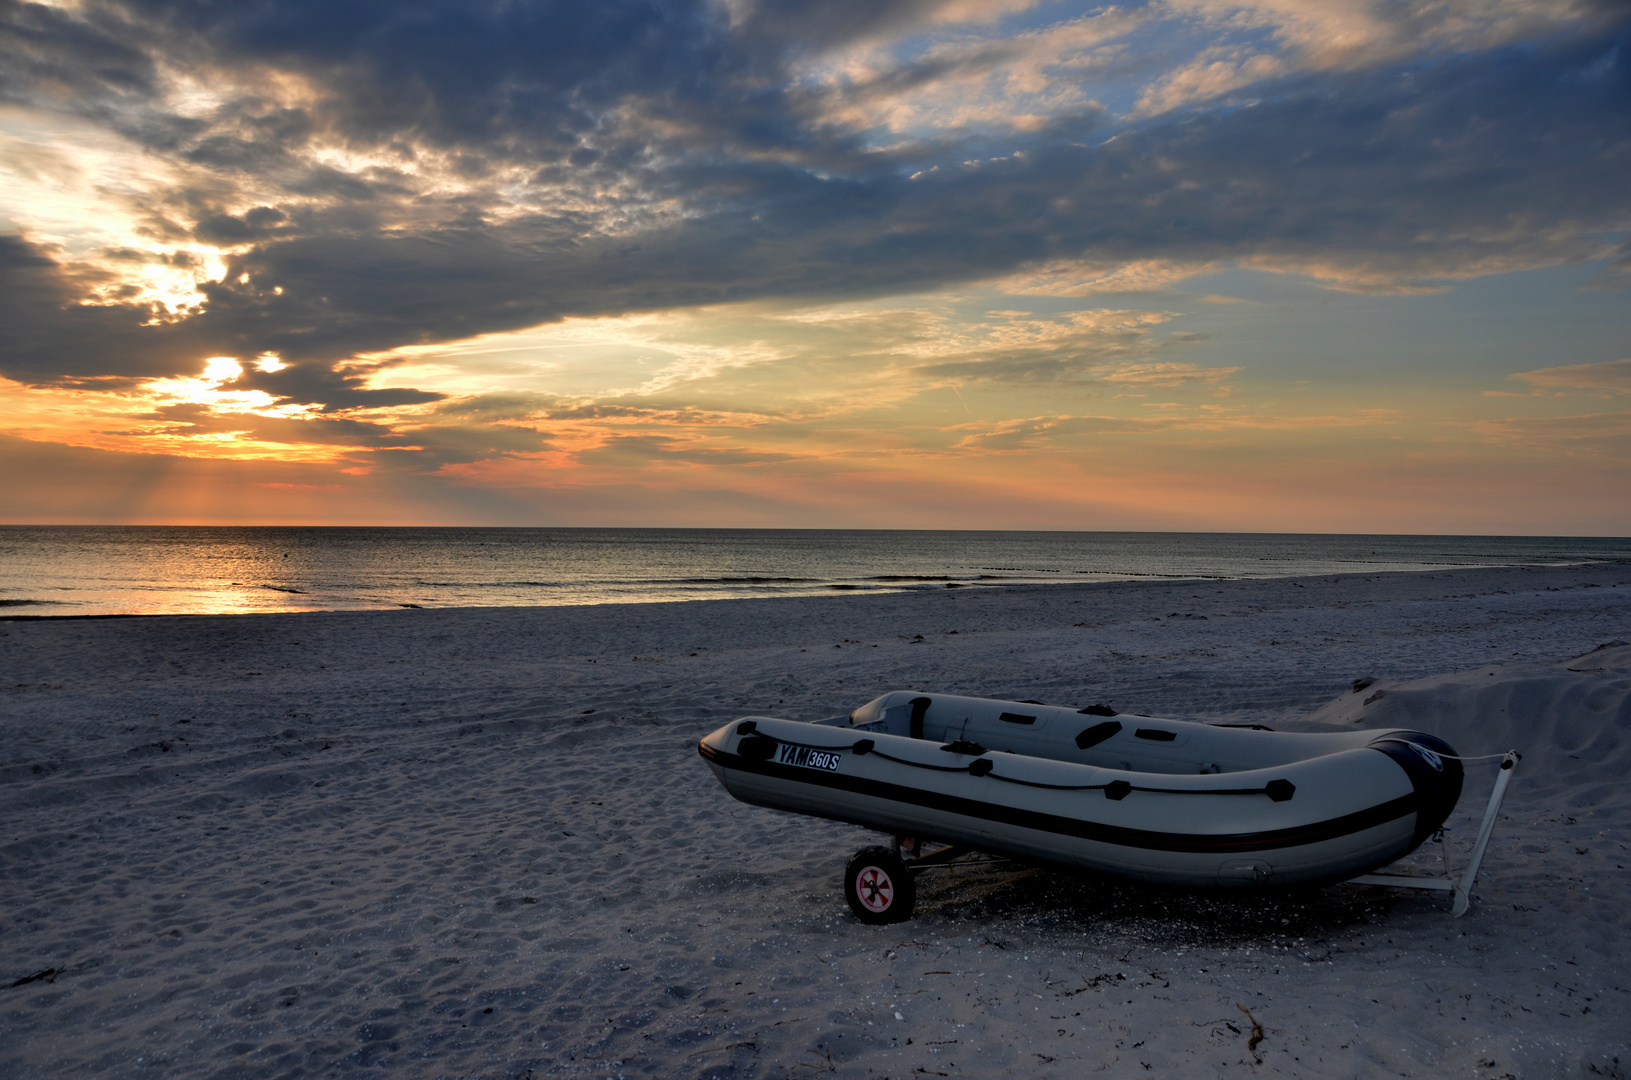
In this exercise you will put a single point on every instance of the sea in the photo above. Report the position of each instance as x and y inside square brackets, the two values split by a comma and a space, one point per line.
[134, 570]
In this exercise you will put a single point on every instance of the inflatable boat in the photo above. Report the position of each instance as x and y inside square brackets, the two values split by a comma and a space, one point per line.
[1141, 797]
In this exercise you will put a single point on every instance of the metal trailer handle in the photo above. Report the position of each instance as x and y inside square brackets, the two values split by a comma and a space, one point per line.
[1461, 890]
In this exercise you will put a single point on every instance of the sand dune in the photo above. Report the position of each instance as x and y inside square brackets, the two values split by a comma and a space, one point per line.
[480, 843]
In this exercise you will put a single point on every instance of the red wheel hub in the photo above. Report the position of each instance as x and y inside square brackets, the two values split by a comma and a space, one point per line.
[875, 890]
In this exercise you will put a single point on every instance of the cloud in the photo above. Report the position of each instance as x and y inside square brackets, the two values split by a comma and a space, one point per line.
[1042, 432]
[50, 483]
[1014, 436]
[687, 417]
[333, 389]
[327, 181]
[437, 446]
[1273, 38]
[1613, 376]
[988, 81]
[1165, 376]
[1372, 31]
[259, 223]
[1076, 278]
[1079, 346]
[47, 333]
[636, 450]
[1216, 72]
[493, 407]
[192, 420]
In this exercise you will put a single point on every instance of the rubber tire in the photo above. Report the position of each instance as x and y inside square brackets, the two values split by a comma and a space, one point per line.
[867, 864]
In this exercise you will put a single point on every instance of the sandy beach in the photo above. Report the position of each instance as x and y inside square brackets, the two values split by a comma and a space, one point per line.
[480, 843]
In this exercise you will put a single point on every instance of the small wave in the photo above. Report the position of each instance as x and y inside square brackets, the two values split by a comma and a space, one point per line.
[284, 588]
[1152, 574]
[22, 602]
[925, 577]
[743, 580]
[619, 582]
[900, 585]
[422, 584]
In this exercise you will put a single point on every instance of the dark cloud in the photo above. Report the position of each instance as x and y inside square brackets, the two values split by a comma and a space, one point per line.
[47, 335]
[334, 388]
[258, 224]
[516, 78]
[52, 53]
[813, 27]
[689, 170]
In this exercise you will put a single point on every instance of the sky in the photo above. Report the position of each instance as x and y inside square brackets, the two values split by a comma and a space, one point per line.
[1233, 265]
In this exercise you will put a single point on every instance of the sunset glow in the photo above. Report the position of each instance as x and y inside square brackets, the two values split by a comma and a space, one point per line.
[1187, 264]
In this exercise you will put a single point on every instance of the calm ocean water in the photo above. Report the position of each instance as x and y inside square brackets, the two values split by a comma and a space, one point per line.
[94, 570]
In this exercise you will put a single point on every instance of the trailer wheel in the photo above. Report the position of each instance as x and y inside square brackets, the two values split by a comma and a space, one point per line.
[878, 887]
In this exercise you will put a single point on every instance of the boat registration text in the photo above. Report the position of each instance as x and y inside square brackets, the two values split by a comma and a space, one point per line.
[808, 758]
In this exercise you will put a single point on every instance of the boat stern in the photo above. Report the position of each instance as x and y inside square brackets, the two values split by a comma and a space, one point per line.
[1435, 775]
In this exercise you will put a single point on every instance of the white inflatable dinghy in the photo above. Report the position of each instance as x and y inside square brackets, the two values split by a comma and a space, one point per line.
[1142, 797]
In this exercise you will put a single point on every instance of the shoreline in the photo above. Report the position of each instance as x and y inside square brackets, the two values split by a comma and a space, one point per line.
[112, 572]
[334, 840]
[838, 592]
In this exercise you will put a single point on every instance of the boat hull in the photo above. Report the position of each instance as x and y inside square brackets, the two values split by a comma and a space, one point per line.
[1343, 812]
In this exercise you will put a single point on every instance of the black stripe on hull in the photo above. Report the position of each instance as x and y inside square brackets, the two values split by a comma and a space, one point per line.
[1222, 844]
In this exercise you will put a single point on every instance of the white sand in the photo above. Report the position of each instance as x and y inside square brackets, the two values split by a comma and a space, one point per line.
[480, 843]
